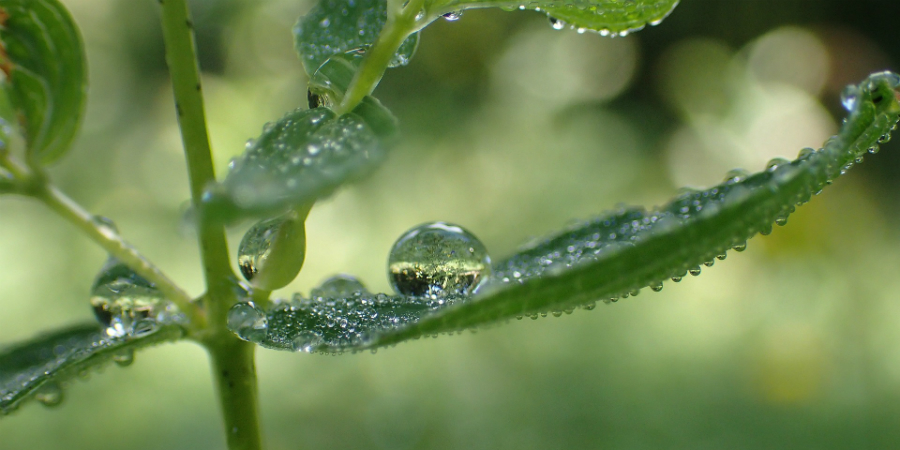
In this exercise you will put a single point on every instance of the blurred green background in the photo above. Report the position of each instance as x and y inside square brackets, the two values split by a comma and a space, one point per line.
[511, 129]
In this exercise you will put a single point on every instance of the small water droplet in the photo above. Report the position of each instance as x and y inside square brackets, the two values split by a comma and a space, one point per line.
[339, 286]
[695, 271]
[885, 138]
[437, 260]
[736, 175]
[849, 96]
[676, 279]
[656, 287]
[123, 358]
[557, 313]
[775, 163]
[452, 16]
[589, 306]
[781, 221]
[248, 322]
[805, 153]
[556, 23]
[721, 257]
[739, 247]
[50, 394]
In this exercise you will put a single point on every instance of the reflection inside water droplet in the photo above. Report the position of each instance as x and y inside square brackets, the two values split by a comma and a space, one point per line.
[849, 96]
[127, 304]
[437, 260]
[248, 322]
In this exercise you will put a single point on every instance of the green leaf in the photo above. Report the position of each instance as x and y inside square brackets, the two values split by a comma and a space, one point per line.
[334, 27]
[46, 77]
[606, 258]
[608, 17]
[304, 156]
[40, 367]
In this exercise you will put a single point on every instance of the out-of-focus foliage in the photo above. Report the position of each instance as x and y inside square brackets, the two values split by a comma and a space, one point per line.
[789, 343]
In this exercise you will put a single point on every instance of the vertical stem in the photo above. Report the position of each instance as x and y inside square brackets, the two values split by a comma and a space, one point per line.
[178, 34]
[232, 359]
[235, 377]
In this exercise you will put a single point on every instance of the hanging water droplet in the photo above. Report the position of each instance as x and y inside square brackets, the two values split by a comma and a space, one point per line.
[739, 247]
[677, 279]
[656, 287]
[695, 271]
[556, 23]
[805, 153]
[849, 96]
[437, 260]
[781, 221]
[557, 313]
[589, 306]
[126, 302]
[885, 138]
[452, 16]
[272, 252]
[721, 257]
[248, 322]
[709, 263]
[50, 394]
[123, 358]
[339, 286]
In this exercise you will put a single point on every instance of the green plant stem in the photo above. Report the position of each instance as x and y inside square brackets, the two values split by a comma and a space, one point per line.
[232, 359]
[401, 22]
[110, 240]
[235, 377]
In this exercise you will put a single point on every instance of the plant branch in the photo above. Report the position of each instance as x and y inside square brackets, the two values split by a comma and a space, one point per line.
[235, 376]
[110, 240]
[401, 22]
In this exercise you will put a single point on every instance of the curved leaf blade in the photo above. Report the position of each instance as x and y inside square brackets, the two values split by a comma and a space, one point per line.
[304, 156]
[335, 27]
[610, 257]
[48, 361]
[608, 17]
[46, 75]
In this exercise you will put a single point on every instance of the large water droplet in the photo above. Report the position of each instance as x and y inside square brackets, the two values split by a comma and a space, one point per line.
[271, 254]
[437, 260]
[248, 322]
[126, 303]
[338, 286]
[124, 358]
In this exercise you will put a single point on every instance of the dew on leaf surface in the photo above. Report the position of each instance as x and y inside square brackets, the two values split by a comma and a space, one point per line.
[248, 322]
[437, 260]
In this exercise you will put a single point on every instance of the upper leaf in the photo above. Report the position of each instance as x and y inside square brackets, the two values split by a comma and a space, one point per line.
[46, 77]
[334, 27]
[306, 155]
[610, 257]
[608, 17]
[38, 368]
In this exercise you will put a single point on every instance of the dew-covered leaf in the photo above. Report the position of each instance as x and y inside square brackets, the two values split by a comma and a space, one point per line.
[608, 17]
[334, 27]
[40, 367]
[304, 156]
[45, 74]
[607, 258]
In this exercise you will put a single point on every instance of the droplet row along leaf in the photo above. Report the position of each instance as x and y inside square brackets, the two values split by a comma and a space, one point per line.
[613, 17]
[613, 256]
[41, 366]
[46, 76]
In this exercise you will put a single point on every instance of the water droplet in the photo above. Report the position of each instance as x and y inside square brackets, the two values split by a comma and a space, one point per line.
[437, 260]
[338, 286]
[452, 16]
[271, 254]
[589, 306]
[556, 23]
[557, 313]
[739, 247]
[695, 271]
[50, 394]
[126, 302]
[849, 96]
[677, 279]
[721, 257]
[123, 358]
[781, 221]
[656, 287]
[805, 153]
[885, 138]
[248, 322]
[710, 263]
[736, 175]
[775, 163]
